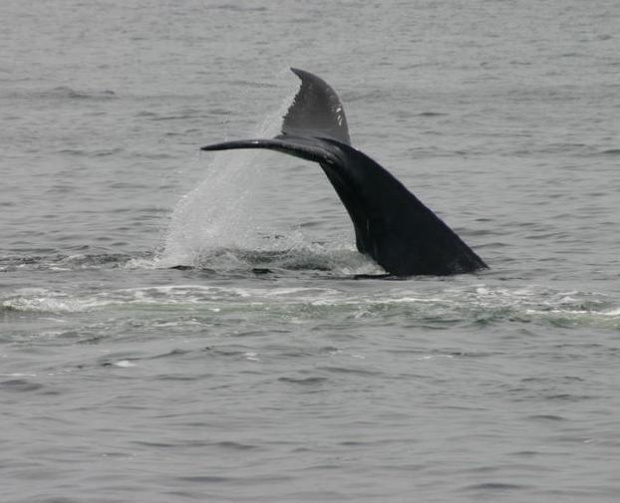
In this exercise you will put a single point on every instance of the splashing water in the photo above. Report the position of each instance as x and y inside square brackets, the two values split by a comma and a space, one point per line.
[217, 215]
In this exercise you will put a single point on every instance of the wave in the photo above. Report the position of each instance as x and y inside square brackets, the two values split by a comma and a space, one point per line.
[57, 261]
[60, 93]
[429, 301]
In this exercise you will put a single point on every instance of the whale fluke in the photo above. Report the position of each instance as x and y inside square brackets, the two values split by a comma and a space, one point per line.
[316, 111]
[391, 225]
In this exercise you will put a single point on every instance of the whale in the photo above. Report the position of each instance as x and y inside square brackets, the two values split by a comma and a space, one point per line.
[392, 226]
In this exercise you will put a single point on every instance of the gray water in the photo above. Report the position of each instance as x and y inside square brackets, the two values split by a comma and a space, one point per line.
[266, 370]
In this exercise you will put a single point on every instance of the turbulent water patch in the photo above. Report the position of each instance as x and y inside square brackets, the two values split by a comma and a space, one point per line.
[265, 298]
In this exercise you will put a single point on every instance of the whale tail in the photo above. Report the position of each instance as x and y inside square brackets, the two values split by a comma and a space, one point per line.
[391, 225]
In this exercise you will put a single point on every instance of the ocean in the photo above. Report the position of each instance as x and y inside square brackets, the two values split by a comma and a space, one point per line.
[179, 326]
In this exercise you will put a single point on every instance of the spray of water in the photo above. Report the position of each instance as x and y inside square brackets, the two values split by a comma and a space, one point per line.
[217, 214]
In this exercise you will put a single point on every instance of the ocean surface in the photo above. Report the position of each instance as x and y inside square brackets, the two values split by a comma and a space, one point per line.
[177, 326]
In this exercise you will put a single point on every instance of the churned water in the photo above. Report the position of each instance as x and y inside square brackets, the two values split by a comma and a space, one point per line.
[264, 368]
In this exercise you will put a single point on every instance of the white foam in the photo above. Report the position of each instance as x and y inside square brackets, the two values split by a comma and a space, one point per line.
[124, 364]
